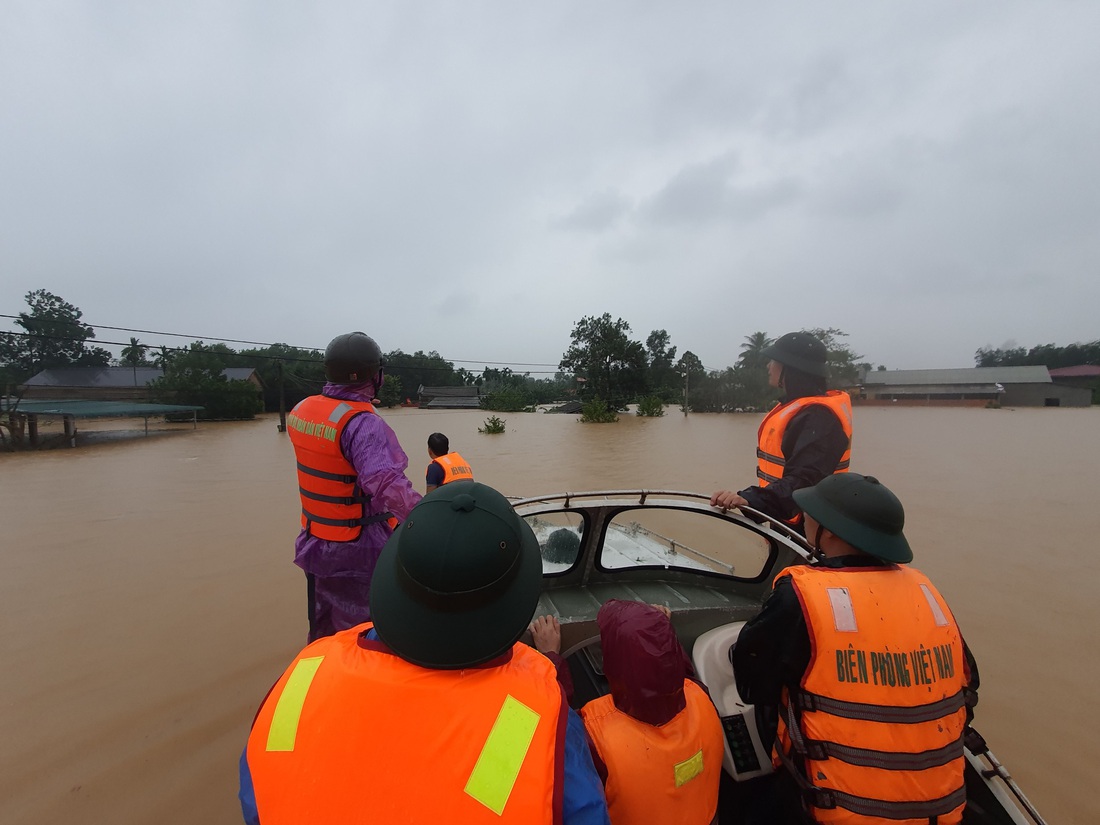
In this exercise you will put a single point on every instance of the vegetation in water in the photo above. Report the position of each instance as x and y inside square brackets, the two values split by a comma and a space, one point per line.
[493, 425]
[651, 407]
[506, 399]
[597, 411]
[389, 394]
[196, 377]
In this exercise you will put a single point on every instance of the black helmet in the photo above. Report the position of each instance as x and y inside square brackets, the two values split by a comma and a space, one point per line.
[799, 350]
[862, 511]
[352, 358]
[458, 582]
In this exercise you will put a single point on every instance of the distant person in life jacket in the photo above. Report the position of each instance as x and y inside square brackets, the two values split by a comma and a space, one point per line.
[352, 484]
[435, 713]
[805, 438]
[656, 738]
[861, 665]
[446, 466]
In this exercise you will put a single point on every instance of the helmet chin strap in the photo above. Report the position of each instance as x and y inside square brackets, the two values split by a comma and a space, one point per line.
[818, 553]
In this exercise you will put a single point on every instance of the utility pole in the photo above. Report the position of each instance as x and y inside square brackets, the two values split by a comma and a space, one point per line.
[687, 374]
[282, 397]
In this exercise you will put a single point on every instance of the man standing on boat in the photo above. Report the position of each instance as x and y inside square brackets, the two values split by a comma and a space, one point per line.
[805, 438]
[351, 478]
[435, 713]
[446, 466]
[860, 663]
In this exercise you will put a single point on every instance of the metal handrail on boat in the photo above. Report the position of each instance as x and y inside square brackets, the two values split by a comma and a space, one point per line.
[976, 744]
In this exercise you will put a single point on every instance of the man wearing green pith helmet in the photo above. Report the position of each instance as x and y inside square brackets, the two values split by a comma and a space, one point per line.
[858, 665]
[804, 438]
[433, 711]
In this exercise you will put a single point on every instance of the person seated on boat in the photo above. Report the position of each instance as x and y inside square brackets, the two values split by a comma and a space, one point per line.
[860, 663]
[805, 438]
[445, 466]
[656, 738]
[435, 712]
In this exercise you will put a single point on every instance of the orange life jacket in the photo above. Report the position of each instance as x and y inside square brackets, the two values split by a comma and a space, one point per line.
[333, 505]
[352, 733]
[769, 449]
[454, 467]
[659, 774]
[874, 733]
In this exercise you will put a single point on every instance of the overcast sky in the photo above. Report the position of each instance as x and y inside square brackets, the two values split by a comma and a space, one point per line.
[474, 177]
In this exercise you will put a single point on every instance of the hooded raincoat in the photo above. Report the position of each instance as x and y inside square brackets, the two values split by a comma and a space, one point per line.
[656, 740]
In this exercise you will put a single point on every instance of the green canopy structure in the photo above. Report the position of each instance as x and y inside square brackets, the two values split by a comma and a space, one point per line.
[75, 408]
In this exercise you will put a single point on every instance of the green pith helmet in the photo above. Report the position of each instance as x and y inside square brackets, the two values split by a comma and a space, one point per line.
[352, 358]
[799, 350]
[458, 582]
[862, 511]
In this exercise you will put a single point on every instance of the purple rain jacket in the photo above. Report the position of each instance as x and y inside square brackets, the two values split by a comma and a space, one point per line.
[342, 570]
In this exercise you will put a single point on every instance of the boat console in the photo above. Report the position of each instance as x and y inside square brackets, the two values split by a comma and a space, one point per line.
[746, 757]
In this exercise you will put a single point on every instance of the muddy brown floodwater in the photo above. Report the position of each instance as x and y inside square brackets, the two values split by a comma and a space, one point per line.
[148, 599]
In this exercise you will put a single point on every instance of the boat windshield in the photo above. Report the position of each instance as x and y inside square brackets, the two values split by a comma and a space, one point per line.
[560, 535]
[653, 537]
[683, 539]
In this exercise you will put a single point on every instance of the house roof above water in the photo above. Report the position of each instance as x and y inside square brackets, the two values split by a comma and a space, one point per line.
[114, 377]
[971, 376]
[1079, 371]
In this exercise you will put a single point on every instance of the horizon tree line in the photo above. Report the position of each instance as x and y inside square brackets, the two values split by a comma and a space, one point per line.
[603, 361]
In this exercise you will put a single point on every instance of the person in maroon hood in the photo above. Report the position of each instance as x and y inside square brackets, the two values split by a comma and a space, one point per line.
[656, 738]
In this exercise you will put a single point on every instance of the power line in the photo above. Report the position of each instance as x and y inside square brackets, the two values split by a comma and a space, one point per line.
[262, 343]
[248, 356]
[555, 367]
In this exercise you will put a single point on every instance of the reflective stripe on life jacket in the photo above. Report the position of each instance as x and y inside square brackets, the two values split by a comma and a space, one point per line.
[333, 506]
[352, 733]
[454, 467]
[668, 773]
[769, 449]
[874, 732]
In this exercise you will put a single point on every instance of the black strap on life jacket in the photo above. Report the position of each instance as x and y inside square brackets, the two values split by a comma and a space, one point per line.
[346, 522]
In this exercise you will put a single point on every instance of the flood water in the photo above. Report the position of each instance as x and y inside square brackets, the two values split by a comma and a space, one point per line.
[148, 599]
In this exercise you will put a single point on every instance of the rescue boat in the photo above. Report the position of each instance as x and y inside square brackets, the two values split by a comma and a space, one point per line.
[713, 570]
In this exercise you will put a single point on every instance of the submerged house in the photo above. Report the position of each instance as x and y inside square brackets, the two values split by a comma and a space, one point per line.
[111, 383]
[1082, 375]
[977, 386]
[450, 398]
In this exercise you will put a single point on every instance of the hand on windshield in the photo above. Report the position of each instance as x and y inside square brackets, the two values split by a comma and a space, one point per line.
[546, 634]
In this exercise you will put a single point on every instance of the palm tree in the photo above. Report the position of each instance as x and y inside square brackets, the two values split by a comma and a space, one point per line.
[163, 358]
[753, 348]
[134, 355]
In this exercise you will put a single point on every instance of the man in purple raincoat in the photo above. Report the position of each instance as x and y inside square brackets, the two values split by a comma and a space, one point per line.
[351, 478]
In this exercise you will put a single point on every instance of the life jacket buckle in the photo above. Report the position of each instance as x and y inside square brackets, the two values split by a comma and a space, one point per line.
[804, 701]
[820, 798]
[816, 750]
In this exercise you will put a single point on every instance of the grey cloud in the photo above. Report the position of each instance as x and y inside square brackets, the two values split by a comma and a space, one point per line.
[596, 214]
[705, 193]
